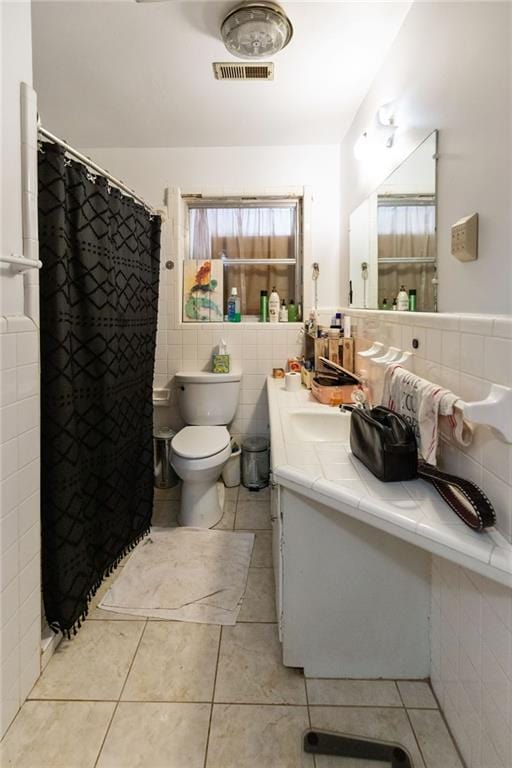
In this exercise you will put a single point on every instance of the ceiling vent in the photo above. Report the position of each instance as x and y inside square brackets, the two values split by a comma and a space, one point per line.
[231, 71]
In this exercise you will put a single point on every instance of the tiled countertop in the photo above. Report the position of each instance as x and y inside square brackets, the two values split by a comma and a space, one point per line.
[413, 511]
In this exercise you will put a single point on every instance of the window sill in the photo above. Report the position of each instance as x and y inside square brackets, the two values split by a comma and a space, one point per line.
[246, 324]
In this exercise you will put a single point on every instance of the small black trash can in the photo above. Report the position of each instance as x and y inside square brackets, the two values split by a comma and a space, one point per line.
[255, 463]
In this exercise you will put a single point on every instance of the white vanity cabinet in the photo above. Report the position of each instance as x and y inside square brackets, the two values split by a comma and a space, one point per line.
[352, 601]
[352, 555]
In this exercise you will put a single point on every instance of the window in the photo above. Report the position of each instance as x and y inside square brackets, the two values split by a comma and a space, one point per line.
[251, 244]
[406, 230]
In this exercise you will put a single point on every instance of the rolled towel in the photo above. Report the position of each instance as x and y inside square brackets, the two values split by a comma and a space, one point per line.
[423, 404]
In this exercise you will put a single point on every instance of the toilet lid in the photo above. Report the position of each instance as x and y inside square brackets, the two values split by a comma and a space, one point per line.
[200, 442]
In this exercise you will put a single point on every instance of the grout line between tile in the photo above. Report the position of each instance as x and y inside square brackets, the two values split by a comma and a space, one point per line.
[239, 703]
[213, 700]
[133, 658]
[445, 721]
[255, 704]
[416, 739]
[235, 515]
[399, 694]
[254, 621]
[107, 731]
[119, 698]
[307, 697]
[308, 711]
[359, 706]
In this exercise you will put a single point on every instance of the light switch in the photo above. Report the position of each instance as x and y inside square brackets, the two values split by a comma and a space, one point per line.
[465, 238]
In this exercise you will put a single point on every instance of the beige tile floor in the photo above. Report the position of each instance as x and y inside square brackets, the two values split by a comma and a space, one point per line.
[132, 693]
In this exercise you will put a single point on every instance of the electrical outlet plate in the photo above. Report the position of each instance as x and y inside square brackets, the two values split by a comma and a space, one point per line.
[465, 238]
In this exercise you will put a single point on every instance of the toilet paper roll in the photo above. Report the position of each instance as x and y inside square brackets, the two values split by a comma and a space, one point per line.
[292, 381]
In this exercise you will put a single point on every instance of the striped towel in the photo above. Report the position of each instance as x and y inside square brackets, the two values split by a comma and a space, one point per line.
[424, 405]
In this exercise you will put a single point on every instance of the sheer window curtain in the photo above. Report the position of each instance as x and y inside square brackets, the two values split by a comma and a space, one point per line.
[247, 233]
[407, 232]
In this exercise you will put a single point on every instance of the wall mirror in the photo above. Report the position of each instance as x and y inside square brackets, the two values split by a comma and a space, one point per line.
[393, 236]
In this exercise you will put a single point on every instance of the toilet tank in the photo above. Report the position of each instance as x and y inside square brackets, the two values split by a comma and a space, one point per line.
[207, 398]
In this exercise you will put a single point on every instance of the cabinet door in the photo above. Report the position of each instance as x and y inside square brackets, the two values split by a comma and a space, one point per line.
[277, 551]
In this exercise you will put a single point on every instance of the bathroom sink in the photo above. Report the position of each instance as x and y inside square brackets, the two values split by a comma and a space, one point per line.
[325, 426]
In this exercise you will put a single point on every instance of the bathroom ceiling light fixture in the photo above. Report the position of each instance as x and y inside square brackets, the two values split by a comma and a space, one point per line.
[256, 29]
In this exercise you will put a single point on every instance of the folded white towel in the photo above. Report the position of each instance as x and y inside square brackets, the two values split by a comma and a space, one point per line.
[423, 404]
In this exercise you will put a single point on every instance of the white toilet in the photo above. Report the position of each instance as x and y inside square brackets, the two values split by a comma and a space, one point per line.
[207, 402]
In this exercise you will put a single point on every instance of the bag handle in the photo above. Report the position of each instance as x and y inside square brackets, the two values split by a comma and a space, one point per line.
[466, 499]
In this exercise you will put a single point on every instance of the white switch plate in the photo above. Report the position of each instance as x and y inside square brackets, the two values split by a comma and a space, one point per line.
[465, 238]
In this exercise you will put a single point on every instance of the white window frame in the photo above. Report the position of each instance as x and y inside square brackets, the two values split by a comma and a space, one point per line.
[178, 245]
[199, 201]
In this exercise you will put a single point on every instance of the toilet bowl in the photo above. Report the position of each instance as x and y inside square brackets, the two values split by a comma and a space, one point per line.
[199, 454]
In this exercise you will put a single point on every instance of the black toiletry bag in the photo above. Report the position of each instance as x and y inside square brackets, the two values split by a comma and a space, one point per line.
[385, 443]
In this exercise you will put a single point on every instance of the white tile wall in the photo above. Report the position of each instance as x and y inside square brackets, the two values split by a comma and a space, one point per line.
[472, 662]
[471, 620]
[255, 349]
[465, 353]
[20, 582]
[20, 615]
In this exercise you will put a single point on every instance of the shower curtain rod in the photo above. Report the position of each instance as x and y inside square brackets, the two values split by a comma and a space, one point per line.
[95, 167]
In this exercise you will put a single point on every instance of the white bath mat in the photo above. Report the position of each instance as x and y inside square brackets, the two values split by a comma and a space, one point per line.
[184, 574]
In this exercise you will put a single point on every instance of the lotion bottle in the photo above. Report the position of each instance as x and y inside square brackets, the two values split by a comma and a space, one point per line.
[402, 300]
[273, 306]
[283, 313]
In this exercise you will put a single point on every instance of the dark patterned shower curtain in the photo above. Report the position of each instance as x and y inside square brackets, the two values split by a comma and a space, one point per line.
[99, 291]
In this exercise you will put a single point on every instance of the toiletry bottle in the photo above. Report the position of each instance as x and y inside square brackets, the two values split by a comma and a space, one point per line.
[299, 312]
[283, 313]
[402, 299]
[263, 306]
[338, 319]
[385, 304]
[394, 306]
[234, 307]
[273, 306]
[313, 322]
[292, 312]
[412, 300]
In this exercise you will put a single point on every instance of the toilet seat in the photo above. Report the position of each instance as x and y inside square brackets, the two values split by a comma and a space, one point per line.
[200, 442]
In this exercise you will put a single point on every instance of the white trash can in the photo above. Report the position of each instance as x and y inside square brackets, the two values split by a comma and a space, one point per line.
[231, 472]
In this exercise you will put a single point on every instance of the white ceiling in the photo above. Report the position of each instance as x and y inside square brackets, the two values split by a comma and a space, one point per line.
[124, 74]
